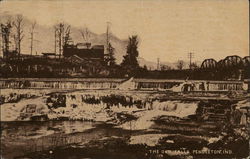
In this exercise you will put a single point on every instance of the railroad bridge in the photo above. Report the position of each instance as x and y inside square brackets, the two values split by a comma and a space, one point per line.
[228, 63]
[232, 67]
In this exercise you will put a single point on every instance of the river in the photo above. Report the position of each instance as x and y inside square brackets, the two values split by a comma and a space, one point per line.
[119, 124]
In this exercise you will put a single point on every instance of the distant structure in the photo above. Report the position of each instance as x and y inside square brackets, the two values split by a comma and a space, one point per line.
[85, 51]
[49, 55]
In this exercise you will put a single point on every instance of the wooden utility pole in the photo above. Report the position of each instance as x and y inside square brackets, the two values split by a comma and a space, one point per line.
[61, 38]
[107, 52]
[190, 56]
[56, 29]
[158, 63]
[32, 29]
[108, 25]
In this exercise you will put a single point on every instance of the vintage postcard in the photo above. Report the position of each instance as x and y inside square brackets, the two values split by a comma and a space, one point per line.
[124, 79]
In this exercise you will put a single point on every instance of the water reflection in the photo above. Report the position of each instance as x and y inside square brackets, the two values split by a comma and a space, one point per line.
[36, 129]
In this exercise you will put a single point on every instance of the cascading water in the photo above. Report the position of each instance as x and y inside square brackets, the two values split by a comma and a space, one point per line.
[118, 107]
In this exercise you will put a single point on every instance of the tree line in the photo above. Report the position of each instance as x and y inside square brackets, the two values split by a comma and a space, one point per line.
[12, 32]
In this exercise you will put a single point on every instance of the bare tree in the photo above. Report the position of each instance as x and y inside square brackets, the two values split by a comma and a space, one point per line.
[180, 64]
[67, 37]
[32, 29]
[56, 40]
[18, 25]
[62, 36]
[85, 34]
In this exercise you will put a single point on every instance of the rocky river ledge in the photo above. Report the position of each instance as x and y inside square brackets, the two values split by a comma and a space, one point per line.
[44, 123]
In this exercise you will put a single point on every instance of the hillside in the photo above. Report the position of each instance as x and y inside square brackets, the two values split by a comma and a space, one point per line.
[44, 42]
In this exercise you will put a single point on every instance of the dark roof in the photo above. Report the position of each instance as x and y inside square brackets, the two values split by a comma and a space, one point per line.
[48, 53]
[98, 47]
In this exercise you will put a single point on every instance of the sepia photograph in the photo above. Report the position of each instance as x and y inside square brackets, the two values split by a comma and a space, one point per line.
[124, 79]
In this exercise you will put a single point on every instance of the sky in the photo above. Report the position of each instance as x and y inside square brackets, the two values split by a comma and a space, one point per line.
[167, 29]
